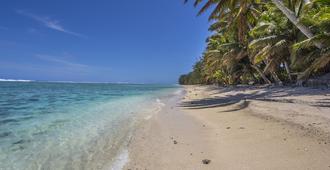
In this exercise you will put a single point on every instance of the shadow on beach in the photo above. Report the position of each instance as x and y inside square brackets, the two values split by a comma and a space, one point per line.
[242, 95]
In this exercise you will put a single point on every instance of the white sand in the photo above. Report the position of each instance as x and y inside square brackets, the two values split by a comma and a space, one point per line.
[236, 128]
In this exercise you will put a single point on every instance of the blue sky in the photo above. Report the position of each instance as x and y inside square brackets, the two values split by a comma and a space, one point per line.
[145, 41]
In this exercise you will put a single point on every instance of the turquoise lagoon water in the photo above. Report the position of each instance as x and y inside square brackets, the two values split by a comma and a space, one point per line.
[72, 125]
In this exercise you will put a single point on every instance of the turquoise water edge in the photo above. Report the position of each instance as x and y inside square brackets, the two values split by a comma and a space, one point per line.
[72, 125]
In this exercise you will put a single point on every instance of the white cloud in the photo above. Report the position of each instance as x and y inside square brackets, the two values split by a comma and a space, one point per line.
[49, 23]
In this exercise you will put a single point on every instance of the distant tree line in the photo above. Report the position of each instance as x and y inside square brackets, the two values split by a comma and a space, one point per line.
[263, 42]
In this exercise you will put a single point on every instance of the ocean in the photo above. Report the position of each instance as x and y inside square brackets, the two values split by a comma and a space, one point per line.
[72, 125]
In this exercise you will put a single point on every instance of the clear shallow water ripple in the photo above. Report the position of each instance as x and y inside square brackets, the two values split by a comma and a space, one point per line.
[69, 125]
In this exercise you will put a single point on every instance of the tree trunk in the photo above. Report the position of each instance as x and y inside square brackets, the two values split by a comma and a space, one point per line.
[261, 74]
[243, 24]
[277, 79]
[292, 17]
[287, 68]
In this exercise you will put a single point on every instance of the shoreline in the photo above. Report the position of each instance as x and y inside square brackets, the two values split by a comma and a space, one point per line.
[121, 158]
[236, 128]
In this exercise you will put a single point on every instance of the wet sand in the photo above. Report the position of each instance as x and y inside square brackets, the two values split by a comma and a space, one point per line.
[236, 128]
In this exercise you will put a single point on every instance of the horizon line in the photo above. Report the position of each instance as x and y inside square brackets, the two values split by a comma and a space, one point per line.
[82, 82]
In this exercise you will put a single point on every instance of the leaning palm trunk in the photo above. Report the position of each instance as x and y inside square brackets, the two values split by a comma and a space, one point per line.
[277, 79]
[263, 76]
[292, 17]
[287, 68]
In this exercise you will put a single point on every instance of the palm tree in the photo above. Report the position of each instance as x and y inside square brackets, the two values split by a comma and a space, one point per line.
[261, 40]
[305, 55]
[238, 17]
[240, 14]
[272, 38]
[293, 18]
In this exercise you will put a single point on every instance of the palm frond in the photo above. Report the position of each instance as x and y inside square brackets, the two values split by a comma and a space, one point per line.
[261, 42]
[309, 43]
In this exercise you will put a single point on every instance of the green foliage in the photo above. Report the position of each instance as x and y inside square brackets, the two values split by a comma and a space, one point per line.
[305, 56]
[254, 42]
[193, 77]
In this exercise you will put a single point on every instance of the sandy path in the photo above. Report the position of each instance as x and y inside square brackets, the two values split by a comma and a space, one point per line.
[236, 130]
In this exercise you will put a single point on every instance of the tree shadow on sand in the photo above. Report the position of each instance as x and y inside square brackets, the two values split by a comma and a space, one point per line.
[264, 94]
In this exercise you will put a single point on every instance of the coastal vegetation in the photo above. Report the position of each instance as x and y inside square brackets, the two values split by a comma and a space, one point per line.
[263, 42]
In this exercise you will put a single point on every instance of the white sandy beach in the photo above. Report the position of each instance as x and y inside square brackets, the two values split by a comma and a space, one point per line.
[236, 128]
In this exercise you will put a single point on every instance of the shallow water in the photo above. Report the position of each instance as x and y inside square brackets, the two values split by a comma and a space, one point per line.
[71, 125]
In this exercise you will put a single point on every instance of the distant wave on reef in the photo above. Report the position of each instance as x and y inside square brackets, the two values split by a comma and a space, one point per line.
[16, 80]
